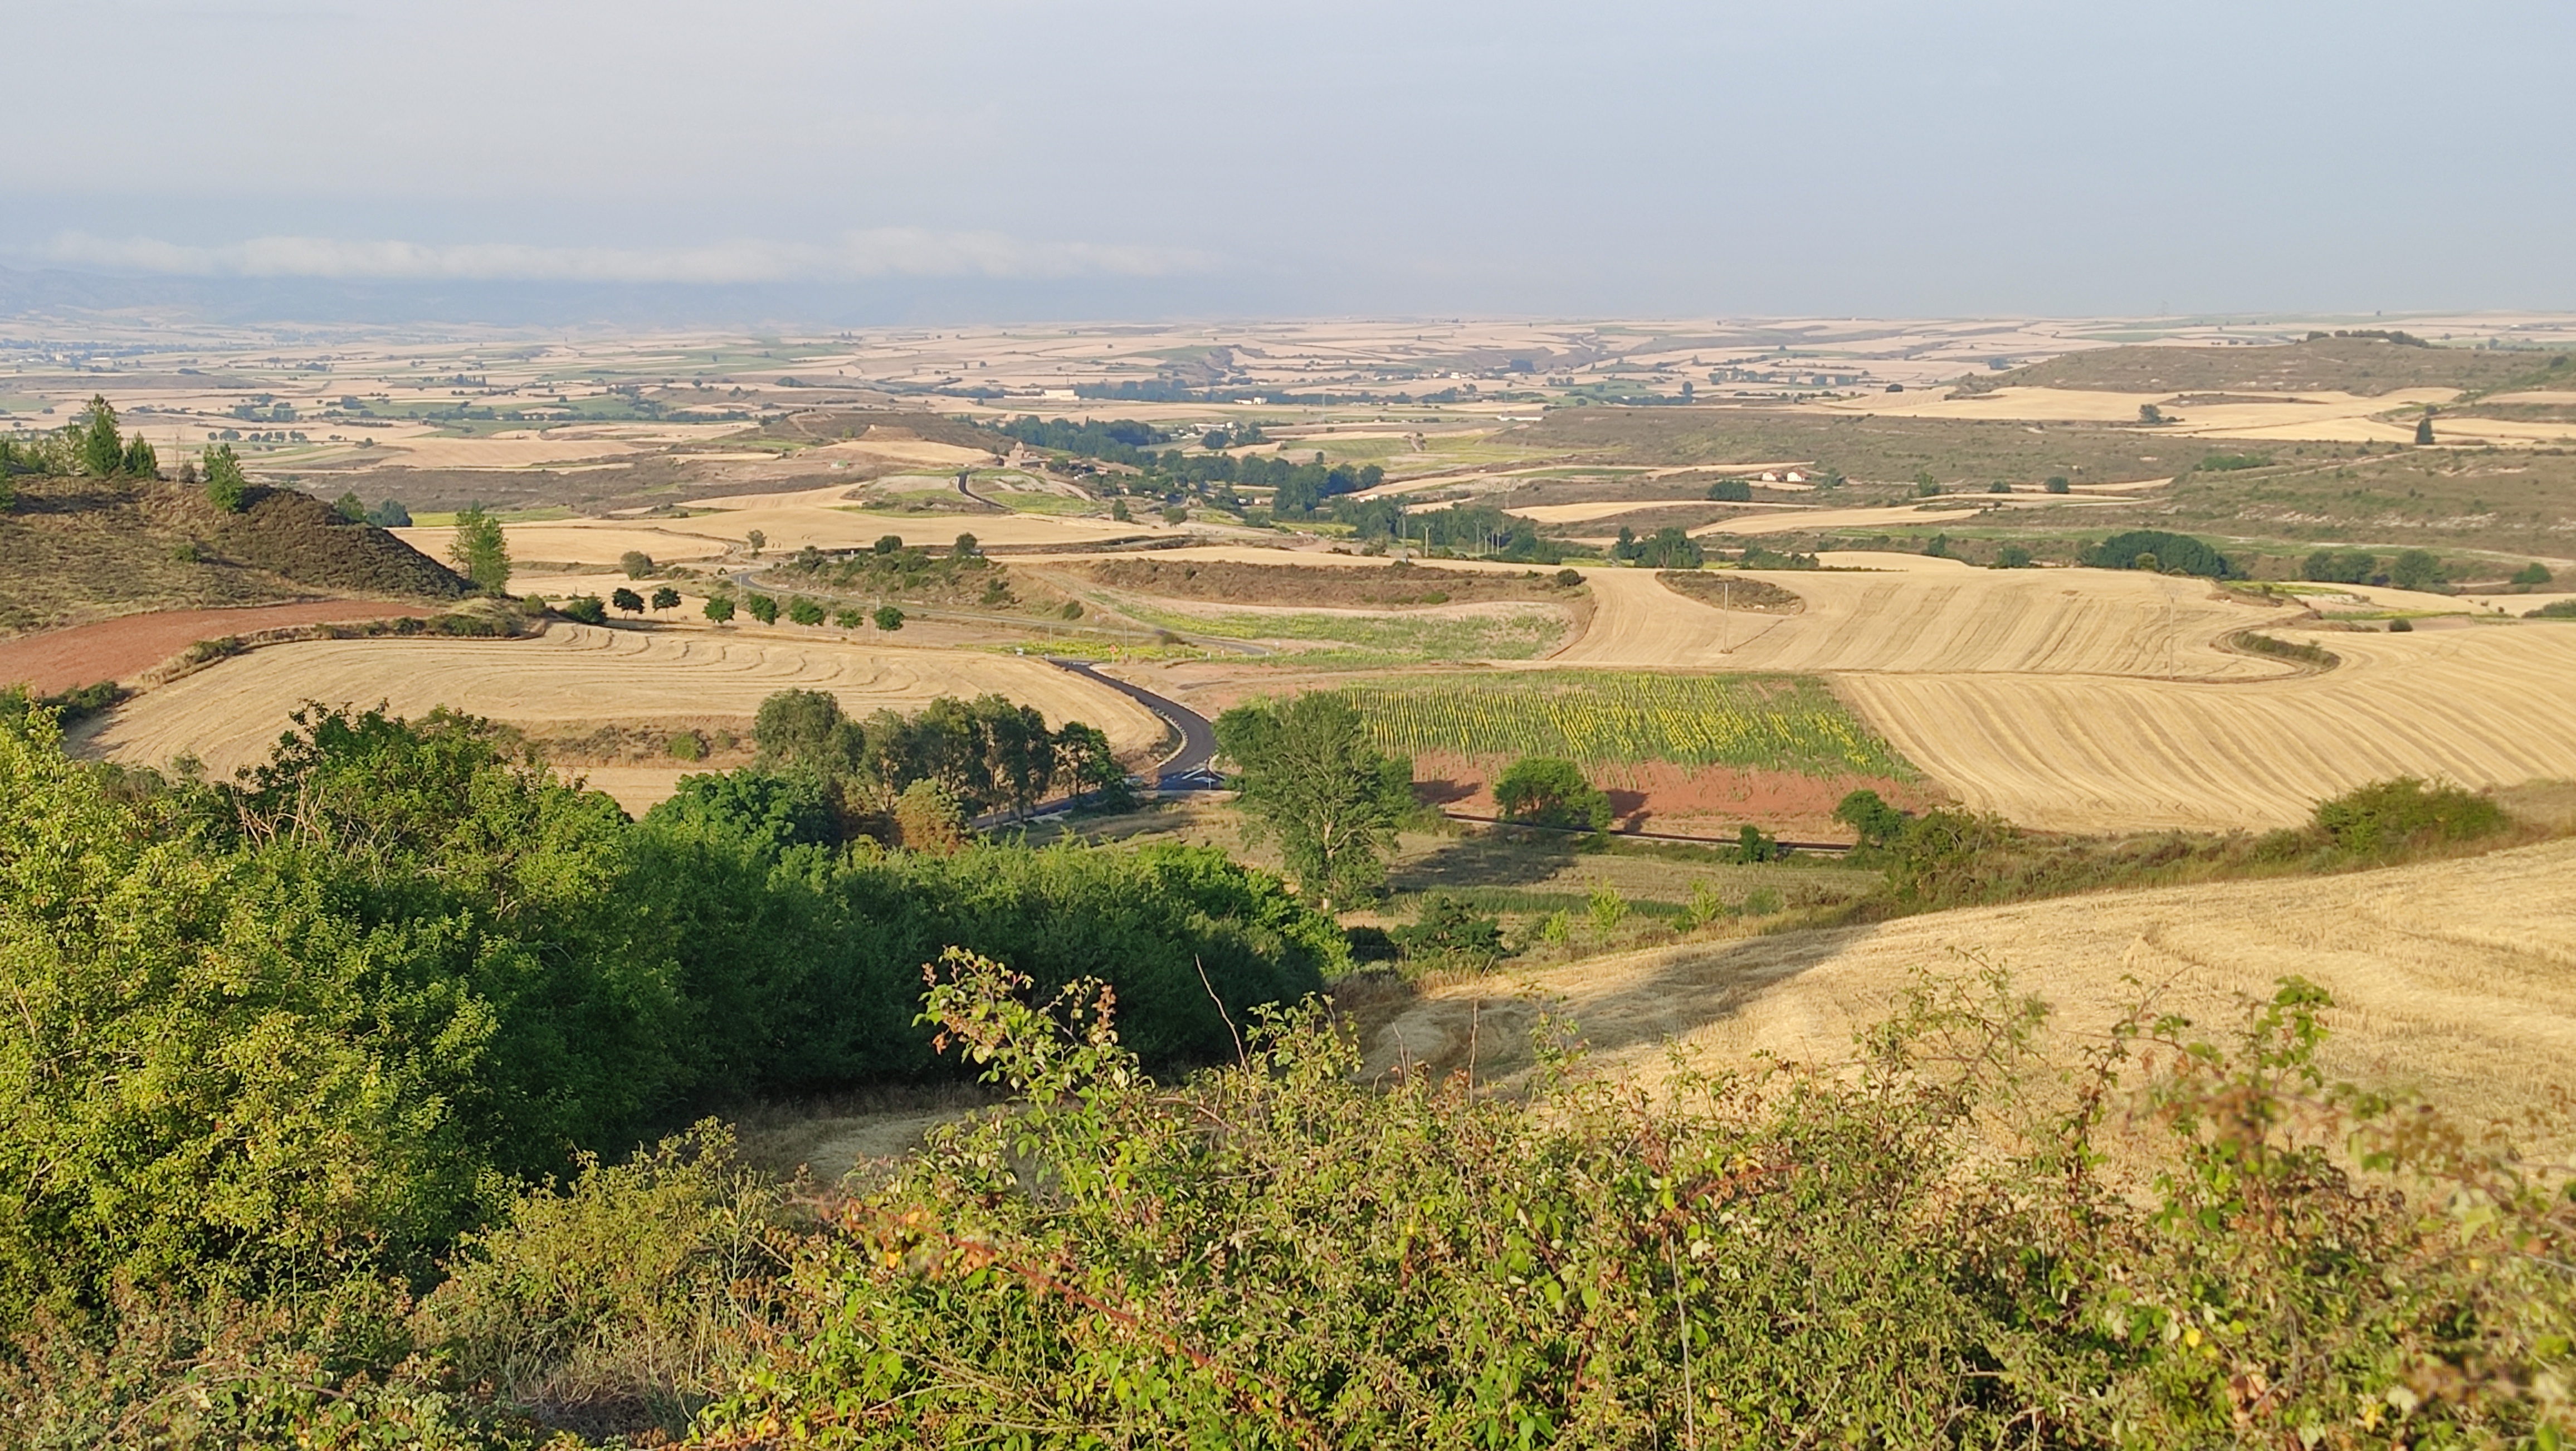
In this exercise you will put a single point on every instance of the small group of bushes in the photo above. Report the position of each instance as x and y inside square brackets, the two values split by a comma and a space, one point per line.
[2412, 569]
[2303, 651]
[1952, 858]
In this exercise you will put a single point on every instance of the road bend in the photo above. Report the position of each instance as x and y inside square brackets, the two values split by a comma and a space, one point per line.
[1186, 769]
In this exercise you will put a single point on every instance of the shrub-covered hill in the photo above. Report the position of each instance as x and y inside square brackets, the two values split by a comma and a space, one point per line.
[2364, 365]
[80, 548]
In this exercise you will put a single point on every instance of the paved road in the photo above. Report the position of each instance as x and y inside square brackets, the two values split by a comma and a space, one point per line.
[1186, 769]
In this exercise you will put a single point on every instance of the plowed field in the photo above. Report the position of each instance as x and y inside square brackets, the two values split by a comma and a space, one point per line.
[229, 714]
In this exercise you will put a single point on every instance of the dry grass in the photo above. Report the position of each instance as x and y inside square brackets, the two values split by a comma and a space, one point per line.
[2454, 979]
[229, 714]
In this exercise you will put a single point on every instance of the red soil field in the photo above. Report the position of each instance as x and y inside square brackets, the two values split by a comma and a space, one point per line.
[1687, 800]
[120, 649]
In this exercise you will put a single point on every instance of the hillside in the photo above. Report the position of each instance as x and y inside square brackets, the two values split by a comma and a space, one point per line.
[2367, 366]
[78, 549]
[2450, 978]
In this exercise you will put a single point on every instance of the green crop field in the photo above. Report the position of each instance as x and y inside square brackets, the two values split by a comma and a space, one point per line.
[1779, 722]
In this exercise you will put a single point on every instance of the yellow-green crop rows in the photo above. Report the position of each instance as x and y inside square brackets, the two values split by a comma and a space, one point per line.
[1776, 722]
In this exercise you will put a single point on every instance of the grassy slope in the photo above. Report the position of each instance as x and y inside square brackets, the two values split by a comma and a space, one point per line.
[83, 549]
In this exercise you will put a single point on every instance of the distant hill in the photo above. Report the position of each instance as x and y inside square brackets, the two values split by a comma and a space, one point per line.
[78, 549]
[2364, 366]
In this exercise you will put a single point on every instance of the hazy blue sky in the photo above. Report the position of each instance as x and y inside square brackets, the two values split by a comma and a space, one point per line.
[999, 157]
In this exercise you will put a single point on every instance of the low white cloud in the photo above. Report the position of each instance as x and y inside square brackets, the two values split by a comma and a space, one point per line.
[881, 252]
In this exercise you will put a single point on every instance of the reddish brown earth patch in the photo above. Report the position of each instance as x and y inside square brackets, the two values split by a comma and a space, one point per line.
[121, 649]
[1686, 800]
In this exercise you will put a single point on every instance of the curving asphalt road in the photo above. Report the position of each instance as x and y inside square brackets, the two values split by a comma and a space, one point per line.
[1186, 769]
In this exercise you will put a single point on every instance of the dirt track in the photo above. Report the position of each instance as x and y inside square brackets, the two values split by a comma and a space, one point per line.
[2456, 978]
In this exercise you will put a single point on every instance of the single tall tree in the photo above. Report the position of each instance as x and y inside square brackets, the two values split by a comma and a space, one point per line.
[1310, 778]
[102, 449]
[224, 482]
[479, 552]
[2424, 427]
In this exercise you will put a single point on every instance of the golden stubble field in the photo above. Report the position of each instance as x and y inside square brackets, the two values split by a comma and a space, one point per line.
[2456, 979]
[229, 714]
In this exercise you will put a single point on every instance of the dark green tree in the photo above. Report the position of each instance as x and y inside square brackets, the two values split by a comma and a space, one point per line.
[2416, 569]
[141, 460]
[225, 486]
[719, 608]
[1548, 791]
[588, 609]
[627, 600]
[887, 617]
[666, 598]
[803, 611]
[2424, 428]
[1309, 778]
[1868, 814]
[349, 507]
[761, 607]
[102, 449]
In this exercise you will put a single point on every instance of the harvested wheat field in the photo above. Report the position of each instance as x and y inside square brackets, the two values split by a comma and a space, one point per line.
[2456, 979]
[2477, 706]
[1908, 613]
[582, 541]
[228, 714]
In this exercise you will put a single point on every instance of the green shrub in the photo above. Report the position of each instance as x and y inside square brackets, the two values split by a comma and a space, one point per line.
[2554, 610]
[588, 609]
[2388, 816]
[1731, 491]
[2417, 569]
[2012, 556]
[2348, 566]
[2057, 484]
[1446, 929]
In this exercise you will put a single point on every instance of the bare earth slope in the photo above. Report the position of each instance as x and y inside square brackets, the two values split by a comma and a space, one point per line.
[2454, 978]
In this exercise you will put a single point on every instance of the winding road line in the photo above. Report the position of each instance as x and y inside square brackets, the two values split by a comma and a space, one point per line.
[1185, 769]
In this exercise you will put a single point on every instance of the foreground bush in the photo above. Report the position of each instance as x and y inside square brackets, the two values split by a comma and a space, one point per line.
[1912, 1252]
[311, 1025]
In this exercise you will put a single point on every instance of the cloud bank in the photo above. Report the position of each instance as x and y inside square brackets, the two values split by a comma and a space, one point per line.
[882, 252]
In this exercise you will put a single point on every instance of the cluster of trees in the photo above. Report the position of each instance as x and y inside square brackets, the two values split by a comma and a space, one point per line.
[1670, 547]
[311, 1024]
[1121, 441]
[89, 444]
[985, 754]
[2415, 569]
[2157, 551]
[892, 567]
[1479, 529]
[388, 515]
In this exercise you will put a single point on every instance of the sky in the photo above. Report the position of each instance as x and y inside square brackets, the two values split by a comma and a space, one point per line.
[997, 159]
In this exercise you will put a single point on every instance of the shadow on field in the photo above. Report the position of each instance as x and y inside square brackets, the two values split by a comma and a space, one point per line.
[1617, 1004]
[1487, 859]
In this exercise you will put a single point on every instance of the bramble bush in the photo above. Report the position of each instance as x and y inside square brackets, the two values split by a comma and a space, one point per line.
[1927, 1246]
